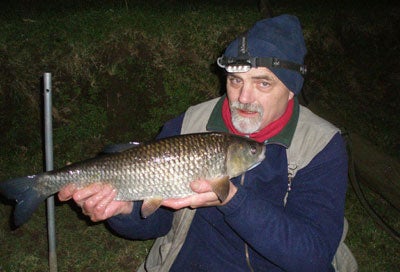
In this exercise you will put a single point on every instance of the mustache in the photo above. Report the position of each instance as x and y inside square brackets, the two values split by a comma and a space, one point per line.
[236, 105]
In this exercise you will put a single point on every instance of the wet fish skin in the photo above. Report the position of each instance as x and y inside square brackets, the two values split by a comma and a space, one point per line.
[151, 172]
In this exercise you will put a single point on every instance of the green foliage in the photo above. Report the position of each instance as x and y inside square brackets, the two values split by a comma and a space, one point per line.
[120, 69]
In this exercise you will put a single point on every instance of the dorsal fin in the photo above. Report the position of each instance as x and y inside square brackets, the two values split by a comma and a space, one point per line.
[117, 148]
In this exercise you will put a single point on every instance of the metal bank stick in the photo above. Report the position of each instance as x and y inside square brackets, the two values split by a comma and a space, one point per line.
[48, 145]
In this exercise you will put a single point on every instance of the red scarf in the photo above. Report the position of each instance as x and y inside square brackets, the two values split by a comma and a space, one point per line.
[266, 133]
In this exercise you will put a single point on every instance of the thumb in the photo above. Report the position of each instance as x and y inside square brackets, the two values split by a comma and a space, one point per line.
[200, 186]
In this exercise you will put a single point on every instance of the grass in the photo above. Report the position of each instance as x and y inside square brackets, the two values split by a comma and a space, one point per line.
[120, 71]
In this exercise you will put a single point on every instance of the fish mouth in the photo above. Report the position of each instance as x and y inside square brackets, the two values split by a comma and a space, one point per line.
[263, 155]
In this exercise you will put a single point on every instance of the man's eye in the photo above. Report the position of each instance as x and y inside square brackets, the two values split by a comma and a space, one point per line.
[264, 84]
[235, 80]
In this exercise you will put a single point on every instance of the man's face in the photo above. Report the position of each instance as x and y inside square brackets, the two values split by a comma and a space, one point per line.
[256, 98]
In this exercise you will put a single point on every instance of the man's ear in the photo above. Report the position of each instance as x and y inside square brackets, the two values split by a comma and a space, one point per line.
[291, 95]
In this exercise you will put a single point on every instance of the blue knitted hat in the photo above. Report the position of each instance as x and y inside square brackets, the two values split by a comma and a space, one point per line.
[279, 38]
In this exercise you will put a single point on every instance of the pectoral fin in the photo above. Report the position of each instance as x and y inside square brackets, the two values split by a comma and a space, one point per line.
[150, 205]
[220, 186]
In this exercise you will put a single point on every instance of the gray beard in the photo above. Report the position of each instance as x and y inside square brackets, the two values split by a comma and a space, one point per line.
[243, 124]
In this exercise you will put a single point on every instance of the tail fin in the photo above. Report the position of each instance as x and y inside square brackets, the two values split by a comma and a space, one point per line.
[27, 198]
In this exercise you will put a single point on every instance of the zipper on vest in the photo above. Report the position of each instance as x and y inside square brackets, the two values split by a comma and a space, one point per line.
[291, 171]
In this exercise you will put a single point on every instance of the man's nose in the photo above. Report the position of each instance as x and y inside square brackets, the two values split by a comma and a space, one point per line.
[246, 93]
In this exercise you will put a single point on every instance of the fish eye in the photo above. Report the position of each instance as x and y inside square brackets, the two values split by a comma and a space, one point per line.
[253, 149]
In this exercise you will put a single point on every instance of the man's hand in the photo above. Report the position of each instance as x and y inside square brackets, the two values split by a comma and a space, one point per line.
[96, 200]
[205, 197]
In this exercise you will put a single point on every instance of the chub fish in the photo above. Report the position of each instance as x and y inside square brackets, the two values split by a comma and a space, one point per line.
[150, 171]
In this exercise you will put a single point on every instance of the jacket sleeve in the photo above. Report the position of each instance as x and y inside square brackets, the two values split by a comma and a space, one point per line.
[303, 235]
[133, 226]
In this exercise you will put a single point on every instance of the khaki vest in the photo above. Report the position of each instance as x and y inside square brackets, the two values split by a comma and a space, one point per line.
[311, 136]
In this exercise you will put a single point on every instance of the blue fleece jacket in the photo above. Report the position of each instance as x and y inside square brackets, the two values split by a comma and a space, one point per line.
[301, 236]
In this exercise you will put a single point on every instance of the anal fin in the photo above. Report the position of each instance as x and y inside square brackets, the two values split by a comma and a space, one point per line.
[150, 205]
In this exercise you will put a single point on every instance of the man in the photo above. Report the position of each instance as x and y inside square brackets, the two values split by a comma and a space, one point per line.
[287, 213]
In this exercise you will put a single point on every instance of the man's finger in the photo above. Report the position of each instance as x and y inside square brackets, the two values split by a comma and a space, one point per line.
[197, 200]
[67, 192]
[176, 203]
[107, 197]
[87, 192]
